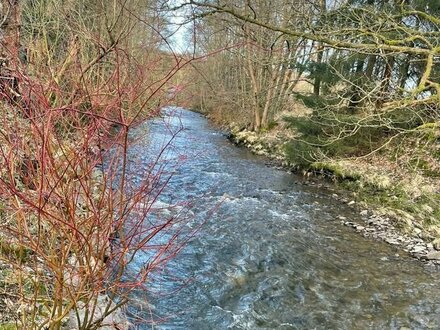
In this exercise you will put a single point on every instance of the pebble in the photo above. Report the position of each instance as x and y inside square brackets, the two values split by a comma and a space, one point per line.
[391, 241]
[417, 231]
[364, 212]
[379, 227]
[436, 244]
[418, 248]
[432, 255]
[351, 203]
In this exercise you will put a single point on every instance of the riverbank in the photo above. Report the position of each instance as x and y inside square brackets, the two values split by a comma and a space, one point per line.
[38, 280]
[396, 204]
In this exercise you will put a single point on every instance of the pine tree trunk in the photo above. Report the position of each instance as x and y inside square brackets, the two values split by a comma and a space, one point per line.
[356, 96]
[405, 73]
[385, 82]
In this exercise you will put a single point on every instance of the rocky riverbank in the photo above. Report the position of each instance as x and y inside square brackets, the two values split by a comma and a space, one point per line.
[415, 232]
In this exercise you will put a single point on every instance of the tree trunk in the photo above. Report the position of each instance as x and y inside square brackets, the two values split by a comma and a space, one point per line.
[10, 39]
[372, 59]
[356, 97]
[10, 44]
[320, 55]
[256, 93]
[317, 82]
[404, 74]
[385, 84]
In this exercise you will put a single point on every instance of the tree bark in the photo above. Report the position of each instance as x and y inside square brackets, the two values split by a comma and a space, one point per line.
[404, 74]
[10, 30]
[10, 48]
[320, 53]
[389, 64]
[356, 96]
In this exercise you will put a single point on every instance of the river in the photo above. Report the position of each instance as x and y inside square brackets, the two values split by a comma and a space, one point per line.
[272, 253]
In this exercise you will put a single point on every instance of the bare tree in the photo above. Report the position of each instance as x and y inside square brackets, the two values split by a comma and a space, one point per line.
[261, 61]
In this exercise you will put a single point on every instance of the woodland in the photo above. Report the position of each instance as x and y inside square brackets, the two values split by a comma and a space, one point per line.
[349, 89]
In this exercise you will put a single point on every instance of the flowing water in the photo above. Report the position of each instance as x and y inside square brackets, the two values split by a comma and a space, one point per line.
[273, 254]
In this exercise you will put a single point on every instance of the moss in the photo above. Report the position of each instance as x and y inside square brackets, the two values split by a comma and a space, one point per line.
[8, 326]
[5, 275]
[14, 251]
[335, 170]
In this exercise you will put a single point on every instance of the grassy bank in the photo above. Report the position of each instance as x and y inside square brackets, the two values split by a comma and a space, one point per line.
[401, 181]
